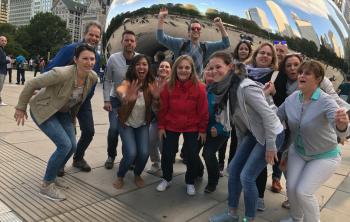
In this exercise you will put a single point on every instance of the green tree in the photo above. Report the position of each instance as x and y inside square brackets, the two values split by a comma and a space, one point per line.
[13, 46]
[45, 33]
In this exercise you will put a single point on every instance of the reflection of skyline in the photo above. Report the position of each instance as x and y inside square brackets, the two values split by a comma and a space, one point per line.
[316, 13]
[306, 30]
[280, 19]
[259, 17]
[334, 43]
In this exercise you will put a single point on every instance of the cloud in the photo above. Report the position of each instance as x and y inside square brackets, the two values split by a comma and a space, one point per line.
[124, 2]
[309, 6]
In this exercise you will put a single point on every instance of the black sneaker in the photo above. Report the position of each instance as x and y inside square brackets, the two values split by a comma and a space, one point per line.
[210, 188]
[82, 165]
[109, 163]
[60, 172]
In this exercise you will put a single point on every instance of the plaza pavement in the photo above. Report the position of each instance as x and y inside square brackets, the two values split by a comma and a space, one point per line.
[24, 151]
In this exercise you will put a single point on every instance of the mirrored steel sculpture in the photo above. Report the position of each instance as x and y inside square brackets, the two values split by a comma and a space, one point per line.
[313, 27]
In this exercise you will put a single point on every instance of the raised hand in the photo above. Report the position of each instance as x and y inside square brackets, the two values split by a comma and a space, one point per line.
[218, 22]
[133, 91]
[155, 88]
[163, 12]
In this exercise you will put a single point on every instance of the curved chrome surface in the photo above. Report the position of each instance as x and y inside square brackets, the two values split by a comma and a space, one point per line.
[318, 21]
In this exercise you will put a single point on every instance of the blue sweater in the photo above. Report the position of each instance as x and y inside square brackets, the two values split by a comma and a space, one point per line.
[65, 57]
[212, 120]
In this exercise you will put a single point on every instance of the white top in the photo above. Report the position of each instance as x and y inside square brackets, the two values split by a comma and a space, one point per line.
[137, 116]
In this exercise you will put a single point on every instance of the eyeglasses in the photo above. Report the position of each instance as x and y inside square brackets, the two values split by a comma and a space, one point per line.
[196, 29]
[282, 42]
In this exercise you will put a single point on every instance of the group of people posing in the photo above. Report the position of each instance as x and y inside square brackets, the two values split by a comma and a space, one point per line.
[269, 102]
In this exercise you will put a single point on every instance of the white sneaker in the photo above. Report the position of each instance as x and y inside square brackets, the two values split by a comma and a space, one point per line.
[61, 184]
[163, 185]
[3, 104]
[191, 190]
[154, 168]
[289, 219]
[51, 192]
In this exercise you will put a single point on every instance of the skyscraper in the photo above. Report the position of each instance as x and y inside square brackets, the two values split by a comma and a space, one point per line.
[335, 44]
[259, 17]
[280, 19]
[3, 11]
[21, 11]
[306, 30]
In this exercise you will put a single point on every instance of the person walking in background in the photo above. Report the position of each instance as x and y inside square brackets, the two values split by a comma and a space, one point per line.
[92, 36]
[3, 66]
[10, 62]
[20, 62]
[199, 51]
[42, 64]
[117, 65]
[53, 109]
[183, 110]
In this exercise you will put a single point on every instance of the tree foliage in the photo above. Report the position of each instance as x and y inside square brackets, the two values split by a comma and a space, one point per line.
[45, 33]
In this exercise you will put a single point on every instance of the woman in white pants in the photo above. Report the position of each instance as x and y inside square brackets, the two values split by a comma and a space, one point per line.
[315, 120]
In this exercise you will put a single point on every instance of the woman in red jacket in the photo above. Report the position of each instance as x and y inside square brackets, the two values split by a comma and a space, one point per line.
[183, 109]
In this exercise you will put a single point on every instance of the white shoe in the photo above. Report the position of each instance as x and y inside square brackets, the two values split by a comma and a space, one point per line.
[3, 104]
[61, 184]
[154, 168]
[191, 190]
[163, 185]
[289, 219]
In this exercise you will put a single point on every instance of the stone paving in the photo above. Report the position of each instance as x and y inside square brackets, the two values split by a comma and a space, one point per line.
[24, 151]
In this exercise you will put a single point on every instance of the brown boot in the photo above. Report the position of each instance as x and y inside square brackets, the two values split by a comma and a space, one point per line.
[118, 183]
[276, 186]
[139, 182]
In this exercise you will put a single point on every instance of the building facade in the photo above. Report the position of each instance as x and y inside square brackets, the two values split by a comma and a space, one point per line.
[306, 29]
[21, 11]
[71, 12]
[281, 19]
[3, 11]
[258, 16]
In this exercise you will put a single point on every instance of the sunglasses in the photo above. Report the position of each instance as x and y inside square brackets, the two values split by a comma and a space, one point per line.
[196, 29]
[282, 42]
[246, 41]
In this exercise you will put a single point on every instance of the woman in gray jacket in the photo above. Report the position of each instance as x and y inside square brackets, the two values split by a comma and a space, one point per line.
[256, 120]
[315, 154]
[53, 109]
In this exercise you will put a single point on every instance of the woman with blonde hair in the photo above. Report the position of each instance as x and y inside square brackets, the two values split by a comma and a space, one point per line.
[183, 110]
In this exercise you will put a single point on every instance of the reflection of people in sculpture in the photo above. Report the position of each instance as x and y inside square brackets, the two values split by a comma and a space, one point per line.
[199, 51]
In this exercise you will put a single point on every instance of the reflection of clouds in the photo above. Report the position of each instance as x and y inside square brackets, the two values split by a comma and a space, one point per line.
[124, 2]
[309, 6]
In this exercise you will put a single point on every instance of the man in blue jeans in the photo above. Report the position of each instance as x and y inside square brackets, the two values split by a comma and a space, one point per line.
[92, 36]
[117, 66]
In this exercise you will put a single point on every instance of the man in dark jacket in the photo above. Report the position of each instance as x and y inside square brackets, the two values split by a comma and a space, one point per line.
[92, 36]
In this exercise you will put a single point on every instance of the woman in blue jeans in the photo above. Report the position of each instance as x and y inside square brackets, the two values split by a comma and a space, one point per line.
[135, 115]
[256, 120]
[53, 109]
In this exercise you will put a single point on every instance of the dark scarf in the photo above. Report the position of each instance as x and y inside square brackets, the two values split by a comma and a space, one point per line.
[258, 73]
[227, 88]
